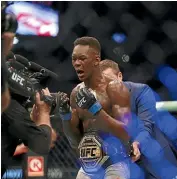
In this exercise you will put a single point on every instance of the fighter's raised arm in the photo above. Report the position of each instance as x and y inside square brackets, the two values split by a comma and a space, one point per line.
[120, 103]
[70, 119]
[75, 121]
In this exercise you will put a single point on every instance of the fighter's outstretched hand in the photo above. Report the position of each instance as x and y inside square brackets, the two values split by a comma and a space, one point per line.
[64, 106]
[65, 111]
[85, 99]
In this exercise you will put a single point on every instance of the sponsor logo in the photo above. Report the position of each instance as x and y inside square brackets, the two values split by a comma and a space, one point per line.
[92, 156]
[17, 78]
[81, 102]
[35, 166]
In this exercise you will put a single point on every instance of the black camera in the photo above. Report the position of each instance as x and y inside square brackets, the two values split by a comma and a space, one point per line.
[25, 78]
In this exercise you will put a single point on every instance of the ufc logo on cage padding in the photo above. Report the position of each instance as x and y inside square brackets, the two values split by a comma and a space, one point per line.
[35, 166]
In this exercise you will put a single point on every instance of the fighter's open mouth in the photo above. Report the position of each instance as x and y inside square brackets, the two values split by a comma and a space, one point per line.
[79, 72]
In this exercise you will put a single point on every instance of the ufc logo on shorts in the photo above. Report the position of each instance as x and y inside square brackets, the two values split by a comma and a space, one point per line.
[17, 78]
[81, 102]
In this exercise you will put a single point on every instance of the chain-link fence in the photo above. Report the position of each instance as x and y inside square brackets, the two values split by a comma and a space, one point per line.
[62, 156]
[140, 36]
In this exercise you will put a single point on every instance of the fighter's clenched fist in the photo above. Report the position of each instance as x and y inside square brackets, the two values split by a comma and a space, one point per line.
[64, 107]
[85, 99]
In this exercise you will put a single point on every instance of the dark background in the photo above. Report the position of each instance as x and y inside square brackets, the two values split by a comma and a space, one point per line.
[151, 43]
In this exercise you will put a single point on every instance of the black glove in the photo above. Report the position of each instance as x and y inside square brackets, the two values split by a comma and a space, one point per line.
[85, 99]
[64, 106]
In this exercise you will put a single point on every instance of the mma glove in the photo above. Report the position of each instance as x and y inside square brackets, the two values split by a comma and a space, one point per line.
[64, 106]
[85, 99]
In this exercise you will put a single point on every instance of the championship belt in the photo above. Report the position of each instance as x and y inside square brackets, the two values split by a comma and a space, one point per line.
[92, 153]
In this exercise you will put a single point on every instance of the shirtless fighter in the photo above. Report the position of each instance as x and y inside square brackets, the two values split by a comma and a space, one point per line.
[98, 105]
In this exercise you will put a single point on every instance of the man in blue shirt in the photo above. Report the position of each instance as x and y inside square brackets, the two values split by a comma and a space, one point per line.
[157, 158]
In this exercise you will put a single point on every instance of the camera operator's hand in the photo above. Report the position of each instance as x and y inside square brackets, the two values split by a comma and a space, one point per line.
[42, 107]
[34, 113]
[41, 110]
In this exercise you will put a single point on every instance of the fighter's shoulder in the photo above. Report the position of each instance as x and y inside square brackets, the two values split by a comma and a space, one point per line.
[73, 94]
[76, 89]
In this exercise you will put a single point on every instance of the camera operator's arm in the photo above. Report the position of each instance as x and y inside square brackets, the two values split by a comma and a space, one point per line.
[35, 116]
[36, 136]
[42, 110]
[5, 95]
[20, 149]
[5, 99]
[42, 118]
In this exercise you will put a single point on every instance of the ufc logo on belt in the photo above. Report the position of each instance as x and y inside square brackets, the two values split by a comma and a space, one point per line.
[17, 78]
[90, 152]
[81, 102]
